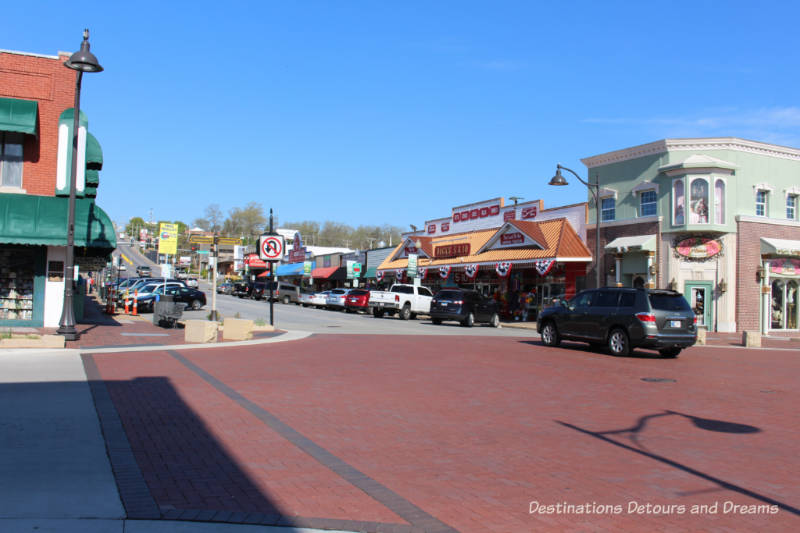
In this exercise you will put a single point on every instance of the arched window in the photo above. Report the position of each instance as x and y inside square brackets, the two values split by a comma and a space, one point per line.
[678, 203]
[719, 202]
[698, 202]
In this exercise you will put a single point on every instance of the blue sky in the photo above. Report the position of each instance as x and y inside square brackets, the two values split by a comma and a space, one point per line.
[393, 112]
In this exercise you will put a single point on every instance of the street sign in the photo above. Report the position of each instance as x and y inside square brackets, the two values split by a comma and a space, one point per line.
[200, 239]
[270, 247]
[412, 266]
[229, 241]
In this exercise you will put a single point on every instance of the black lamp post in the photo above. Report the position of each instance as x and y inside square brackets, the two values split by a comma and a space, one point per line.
[594, 188]
[81, 61]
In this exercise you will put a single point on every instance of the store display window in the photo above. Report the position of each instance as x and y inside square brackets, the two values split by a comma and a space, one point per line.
[16, 283]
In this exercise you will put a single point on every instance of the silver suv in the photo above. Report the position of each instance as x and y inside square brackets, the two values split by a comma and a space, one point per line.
[622, 319]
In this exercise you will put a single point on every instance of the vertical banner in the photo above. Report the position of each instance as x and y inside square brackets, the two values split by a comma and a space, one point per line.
[167, 238]
[412, 266]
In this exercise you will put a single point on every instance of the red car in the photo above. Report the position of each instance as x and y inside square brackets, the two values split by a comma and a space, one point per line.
[357, 300]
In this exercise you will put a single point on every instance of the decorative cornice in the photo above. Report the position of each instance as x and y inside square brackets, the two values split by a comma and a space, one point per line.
[765, 220]
[696, 145]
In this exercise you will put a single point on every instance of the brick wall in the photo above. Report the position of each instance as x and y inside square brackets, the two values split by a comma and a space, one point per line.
[748, 260]
[608, 234]
[52, 85]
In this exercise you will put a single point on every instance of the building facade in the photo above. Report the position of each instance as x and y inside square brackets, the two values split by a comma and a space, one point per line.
[716, 219]
[36, 124]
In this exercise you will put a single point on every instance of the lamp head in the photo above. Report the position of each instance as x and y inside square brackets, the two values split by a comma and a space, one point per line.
[83, 60]
[558, 179]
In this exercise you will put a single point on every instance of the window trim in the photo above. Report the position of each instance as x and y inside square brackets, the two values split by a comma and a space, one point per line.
[654, 202]
[613, 209]
[3, 142]
[765, 203]
[674, 203]
[707, 180]
[724, 181]
[793, 197]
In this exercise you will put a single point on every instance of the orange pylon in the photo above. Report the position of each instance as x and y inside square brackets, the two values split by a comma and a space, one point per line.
[135, 302]
[126, 306]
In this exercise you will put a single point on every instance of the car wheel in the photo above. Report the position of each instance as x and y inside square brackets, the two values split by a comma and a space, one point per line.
[550, 336]
[618, 343]
[670, 352]
[436, 321]
[469, 321]
[494, 321]
[196, 304]
[405, 312]
[377, 313]
[285, 300]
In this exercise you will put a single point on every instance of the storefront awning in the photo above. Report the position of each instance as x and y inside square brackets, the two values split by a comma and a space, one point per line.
[94, 154]
[371, 272]
[637, 243]
[18, 115]
[323, 272]
[780, 247]
[42, 221]
[292, 269]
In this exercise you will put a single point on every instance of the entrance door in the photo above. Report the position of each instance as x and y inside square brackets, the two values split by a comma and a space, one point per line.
[700, 296]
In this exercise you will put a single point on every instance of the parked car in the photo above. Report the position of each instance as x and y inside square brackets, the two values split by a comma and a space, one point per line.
[336, 298]
[143, 270]
[357, 300]
[191, 281]
[240, 289]
[622, 319]
[255, 290]
[193, 298]
[283, 292]
[305, 297]
[143, 293]
[320, 299]
[225, 288]
[405, 300]
[464, 306]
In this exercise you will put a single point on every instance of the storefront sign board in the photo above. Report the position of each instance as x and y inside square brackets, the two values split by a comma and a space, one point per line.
[451, 250]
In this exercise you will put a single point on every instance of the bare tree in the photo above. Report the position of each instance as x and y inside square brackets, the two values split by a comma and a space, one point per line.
[213, 215]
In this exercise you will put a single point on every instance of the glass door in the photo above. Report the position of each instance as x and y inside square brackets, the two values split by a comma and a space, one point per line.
[783, 308]
[699, 294]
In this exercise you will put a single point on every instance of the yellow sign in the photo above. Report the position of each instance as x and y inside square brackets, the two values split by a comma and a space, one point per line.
[229, 241]
[168, 238]
[200, 239]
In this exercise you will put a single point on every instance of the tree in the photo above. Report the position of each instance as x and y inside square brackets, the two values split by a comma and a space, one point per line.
[201, 223]
[248, 221]
[133, 227]
[213, 215]
[335, 234]
[308, 229]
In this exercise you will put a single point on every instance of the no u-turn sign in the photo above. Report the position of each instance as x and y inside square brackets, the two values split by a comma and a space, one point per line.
[270, 247]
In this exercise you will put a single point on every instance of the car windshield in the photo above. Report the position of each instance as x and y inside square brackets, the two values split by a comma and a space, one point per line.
[669, 302]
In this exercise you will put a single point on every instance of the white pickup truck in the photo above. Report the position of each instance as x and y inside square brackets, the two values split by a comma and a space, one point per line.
[405, 300]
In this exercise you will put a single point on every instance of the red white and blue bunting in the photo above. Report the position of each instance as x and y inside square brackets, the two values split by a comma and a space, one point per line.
[444, 272]
[379, 275]
[471, 271]
[399, 273]
[544, 266]
[503, 268]
[422, 272]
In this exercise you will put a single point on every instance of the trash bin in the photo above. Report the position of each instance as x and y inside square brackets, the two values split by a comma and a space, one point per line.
[167, 312]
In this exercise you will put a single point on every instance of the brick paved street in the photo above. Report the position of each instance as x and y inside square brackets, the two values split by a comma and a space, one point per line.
[462, 432]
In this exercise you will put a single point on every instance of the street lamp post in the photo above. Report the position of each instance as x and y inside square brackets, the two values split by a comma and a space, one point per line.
[81, 61]
[594, 188]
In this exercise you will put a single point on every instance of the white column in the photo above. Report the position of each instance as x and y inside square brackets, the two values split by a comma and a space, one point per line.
[618, 269]
[766, 304]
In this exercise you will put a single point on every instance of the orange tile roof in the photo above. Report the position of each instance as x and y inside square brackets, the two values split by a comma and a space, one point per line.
[557, 236]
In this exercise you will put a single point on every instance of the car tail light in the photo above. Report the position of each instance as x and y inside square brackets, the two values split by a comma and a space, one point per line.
[458, 302]
[695, 320]
[646, 317]
[396, 297]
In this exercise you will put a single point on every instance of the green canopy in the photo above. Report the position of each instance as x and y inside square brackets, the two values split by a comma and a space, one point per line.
[18, 115]
[94, 154]
[42, 221]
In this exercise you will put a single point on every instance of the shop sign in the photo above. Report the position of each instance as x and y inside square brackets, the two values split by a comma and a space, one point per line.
[510, 215]
[698, 248]
[353, 270]
[512, 238]
[530, 212]
[167, 238]
[451, 250]
[431, 228]
[410, 250]
[298, 252]
[253, 261]
[412, 266]
[90, 264]
[445, 226]
[786, 267]
[307, 268]
[475, 214]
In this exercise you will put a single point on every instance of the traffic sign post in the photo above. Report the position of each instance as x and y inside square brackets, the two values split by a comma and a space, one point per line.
[271, 247]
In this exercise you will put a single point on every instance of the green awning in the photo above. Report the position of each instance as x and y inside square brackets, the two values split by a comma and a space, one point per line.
[92, 178]
[94, 153]
[18, 115]
[370, 272]
[42, 221]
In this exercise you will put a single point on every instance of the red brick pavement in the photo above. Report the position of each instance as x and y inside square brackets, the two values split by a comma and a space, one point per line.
[470, 430]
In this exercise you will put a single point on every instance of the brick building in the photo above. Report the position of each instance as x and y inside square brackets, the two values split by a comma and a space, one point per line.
[716, 219]
[37, 93]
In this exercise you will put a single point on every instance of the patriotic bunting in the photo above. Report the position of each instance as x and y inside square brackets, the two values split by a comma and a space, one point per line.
[379, 275]
[471, 271]
[544, 266]
[422, 272]
[444, 272]
[503, 269]
[399, 273]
